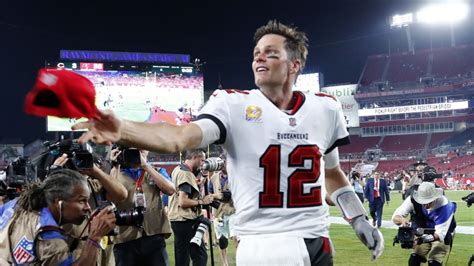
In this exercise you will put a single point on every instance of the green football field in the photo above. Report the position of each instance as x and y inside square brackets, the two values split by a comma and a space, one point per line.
[350, 251]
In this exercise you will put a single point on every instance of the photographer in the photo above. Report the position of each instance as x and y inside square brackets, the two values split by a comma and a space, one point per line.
[102, 187]
[416, 178]
[358, 185]
[219, 186]
[30, 230]
[185, 210]
[429, 209]
[141, 244]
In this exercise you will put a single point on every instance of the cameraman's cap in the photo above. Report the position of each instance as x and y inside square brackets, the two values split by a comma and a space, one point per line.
[62, 93]
[426, 193]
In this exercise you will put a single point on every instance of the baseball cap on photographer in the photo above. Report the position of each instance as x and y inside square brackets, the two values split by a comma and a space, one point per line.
[62, 93]
[426, 193]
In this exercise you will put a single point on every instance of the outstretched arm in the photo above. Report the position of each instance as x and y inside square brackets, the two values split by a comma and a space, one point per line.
[107, 128]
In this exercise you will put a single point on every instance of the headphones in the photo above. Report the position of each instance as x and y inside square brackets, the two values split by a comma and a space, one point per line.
[60, 204]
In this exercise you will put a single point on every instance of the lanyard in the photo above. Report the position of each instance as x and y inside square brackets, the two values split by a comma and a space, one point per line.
[140, 179]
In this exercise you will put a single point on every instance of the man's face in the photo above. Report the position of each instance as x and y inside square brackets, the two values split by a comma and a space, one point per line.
[377, 175]
[198, 161]
[271, 66]
[77, 208]
[428, 205]
[420, 168]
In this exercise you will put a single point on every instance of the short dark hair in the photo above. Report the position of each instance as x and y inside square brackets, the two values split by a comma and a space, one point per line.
[189, 154]
[296, 43]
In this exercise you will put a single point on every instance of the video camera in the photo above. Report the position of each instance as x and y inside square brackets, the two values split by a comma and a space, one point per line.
[407, 236]
[128, 157]
[213, 164]
[19, 173]
[79, 155]
[429, 174]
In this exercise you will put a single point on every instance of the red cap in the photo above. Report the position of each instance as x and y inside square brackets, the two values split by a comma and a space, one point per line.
[61, 93]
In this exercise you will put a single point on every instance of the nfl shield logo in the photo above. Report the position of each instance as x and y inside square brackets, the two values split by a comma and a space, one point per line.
[292, 121]
[23, 251]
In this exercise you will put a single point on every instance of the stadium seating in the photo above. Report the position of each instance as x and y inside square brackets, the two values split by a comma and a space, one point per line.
[403, 143]
[437, 138]
[373, 69]
[406, 67]
[359, 144]
[451, 62]
[460, 138]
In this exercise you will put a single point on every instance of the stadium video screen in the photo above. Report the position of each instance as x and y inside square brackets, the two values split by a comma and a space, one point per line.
[144, 93]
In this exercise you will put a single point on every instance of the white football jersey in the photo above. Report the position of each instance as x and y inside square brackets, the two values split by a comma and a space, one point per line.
[274, 159]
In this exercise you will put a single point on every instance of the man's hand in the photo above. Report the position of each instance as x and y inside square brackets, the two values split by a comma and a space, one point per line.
[207, 199]
[114, 153]
[91, 172]
[104, 128]
[61, 160]
[370, 236]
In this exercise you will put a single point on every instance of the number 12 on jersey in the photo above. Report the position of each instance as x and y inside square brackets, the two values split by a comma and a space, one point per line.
[270, 161]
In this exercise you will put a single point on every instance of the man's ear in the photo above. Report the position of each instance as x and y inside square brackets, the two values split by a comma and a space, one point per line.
[295, 66]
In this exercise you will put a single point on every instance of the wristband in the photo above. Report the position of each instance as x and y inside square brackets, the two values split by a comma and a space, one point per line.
[348, 202]
[93, 242]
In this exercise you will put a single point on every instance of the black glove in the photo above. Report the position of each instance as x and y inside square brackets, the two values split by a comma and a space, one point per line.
[469, 199]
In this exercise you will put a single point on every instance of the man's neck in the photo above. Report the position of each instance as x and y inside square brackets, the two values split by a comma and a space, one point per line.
[188, 164]
[280, 96]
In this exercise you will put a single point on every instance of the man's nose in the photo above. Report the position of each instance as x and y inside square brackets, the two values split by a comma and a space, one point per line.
[259, 58]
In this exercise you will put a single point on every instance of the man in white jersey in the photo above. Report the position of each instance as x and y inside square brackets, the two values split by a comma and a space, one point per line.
[282, 156]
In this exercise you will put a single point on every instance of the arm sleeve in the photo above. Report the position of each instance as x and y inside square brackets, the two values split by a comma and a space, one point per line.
[331, 159]
[217, 111]
[340, 135]
[185, 187]
[404, 209]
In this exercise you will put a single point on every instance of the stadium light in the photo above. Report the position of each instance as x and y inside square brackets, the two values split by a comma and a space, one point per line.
[401, 20]
[443, 13]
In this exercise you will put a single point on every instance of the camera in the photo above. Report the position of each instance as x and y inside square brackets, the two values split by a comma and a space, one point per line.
[132, 217]
[469, 199]
[355, 175]
[202, 227]
[226, 197]
[79, 155]
[406, 236]
[213, 164]
[429, 174]
[128, 157]
[19, 173]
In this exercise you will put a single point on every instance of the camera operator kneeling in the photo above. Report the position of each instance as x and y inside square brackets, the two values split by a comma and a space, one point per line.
[30, 230]
[436, 212]
[142, 240]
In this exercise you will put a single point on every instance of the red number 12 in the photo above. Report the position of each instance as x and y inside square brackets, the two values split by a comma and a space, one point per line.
[271, 196]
